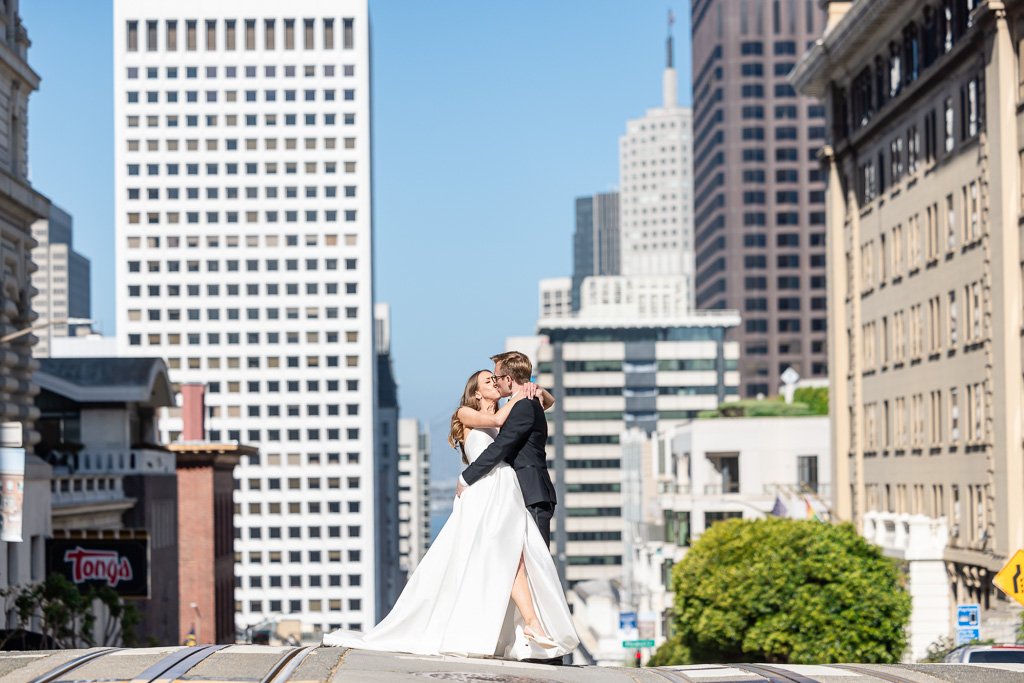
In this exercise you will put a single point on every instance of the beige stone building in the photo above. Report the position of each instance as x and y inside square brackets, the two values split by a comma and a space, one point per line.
[20, 207]
[924, 205]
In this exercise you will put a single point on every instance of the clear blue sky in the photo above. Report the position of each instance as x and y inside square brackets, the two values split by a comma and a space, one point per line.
[489, 119]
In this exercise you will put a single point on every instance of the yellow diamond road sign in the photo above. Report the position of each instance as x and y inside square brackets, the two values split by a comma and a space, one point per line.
[1010, 578]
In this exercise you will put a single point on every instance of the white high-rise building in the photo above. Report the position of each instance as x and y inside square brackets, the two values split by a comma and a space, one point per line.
[656, 188]
[413, 492]
[61, 281]
[244, 235]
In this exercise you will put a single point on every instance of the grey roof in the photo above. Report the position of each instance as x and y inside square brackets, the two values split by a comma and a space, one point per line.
[107, 380]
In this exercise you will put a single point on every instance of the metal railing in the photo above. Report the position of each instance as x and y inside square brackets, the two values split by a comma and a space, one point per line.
[75, 489]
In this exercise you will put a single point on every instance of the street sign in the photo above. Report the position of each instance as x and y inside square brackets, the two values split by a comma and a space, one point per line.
[1010, 580]
[627, 621]
[968, 616]
[967, 635]
[790, 376]
[633, 644]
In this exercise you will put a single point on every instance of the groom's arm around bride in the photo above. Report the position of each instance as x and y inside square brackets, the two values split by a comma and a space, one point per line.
[509, 441]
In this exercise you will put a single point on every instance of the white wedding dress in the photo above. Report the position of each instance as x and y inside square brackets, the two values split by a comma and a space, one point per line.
[458, 601]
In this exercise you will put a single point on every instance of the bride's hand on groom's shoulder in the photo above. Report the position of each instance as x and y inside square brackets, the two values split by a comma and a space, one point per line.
[530, 390]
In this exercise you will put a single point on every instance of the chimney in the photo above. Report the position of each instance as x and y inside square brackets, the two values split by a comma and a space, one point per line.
[193, 412]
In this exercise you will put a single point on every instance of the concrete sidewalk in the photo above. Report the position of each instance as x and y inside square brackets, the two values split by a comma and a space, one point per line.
[265, 664]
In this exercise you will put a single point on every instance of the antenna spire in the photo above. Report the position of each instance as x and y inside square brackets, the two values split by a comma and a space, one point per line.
[671, 20]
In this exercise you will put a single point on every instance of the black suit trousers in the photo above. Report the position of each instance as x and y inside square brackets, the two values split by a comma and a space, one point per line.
[542, 514]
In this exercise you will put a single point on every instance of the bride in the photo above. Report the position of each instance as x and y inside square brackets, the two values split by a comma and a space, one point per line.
[487, 587]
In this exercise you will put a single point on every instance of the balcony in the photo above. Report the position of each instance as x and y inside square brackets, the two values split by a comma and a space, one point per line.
[820, 489]
[88, 501]
[910, 537]
[100, 461]
[78, 489]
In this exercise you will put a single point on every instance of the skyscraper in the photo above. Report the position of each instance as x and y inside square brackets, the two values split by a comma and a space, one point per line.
[244, 235]
[609, 374]
[596, 246]
[61, 279]
[759, 197]
[413, 492]
[655, 188]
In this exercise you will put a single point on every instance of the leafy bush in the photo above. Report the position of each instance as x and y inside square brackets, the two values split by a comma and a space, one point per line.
[786, 591]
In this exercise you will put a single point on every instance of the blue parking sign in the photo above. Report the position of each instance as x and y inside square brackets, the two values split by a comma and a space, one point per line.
[967, 635]
[968, 616]
[627, 621]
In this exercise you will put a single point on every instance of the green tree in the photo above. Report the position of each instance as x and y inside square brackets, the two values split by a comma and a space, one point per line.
[786, 591]
[816, 399]
[65, 614]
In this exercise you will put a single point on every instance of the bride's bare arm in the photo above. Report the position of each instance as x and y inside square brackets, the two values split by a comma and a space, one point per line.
[476, 419]
[546, 399]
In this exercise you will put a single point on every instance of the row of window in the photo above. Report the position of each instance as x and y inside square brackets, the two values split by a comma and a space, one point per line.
[295, 483]
[211, 96]
[782, 175]
[783, 133]
[231, 144]
[943, 331]
[213, 217]
[758, 197]
[920, 45]
[298, 581]
[784, 111]
[233, 241]
[689, 390]
[786, 347]
[784, 325]
[231, 120]
[782, 239]
[276, 459]
[225, 30]
[783, 282]
[782, 303]
[902, 251]
[251, 168]
[760, 261]
[255, 533]
[930, 421]
[904, 151]
[295, 556]
[269, 71]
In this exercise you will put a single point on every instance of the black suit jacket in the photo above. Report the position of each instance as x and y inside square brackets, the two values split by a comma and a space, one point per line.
[521, 444]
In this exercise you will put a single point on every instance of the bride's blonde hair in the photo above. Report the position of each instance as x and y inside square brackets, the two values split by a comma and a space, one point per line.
[457, 435]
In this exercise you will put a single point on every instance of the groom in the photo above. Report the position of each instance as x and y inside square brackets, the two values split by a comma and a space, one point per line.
[520, 442]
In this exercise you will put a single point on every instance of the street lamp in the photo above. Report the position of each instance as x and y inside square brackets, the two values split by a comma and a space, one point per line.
[58, 321]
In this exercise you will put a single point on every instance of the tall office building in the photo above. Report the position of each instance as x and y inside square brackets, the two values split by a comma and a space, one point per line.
[655, 188]
[596, 246]
[244, 235]
[925, 292]
[609, 374]
[759, 197]
[413, 492]
[386, 556]
[61, 279]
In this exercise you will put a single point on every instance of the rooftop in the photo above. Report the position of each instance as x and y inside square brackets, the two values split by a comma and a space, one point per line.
[107, 380]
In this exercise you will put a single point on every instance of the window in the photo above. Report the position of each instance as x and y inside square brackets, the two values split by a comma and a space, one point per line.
[133, 36]
[950, 140]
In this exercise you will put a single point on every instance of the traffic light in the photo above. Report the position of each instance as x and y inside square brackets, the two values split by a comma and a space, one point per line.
[638, 665]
